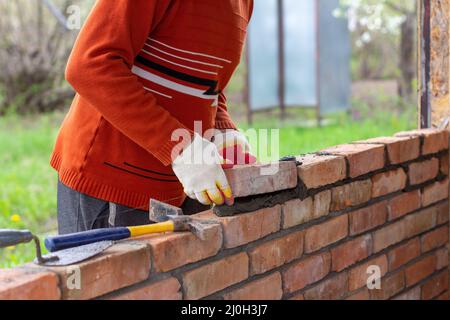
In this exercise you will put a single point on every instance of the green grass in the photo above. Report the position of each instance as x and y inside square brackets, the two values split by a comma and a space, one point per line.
[295, 140]
[28, 183]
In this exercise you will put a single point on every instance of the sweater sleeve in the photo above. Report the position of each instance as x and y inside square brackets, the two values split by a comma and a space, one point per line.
[99, 69]
[223, 119]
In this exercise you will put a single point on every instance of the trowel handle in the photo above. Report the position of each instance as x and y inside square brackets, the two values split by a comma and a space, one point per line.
[10, 237]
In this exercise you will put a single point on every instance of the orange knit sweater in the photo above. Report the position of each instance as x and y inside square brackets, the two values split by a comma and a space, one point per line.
[141, 70]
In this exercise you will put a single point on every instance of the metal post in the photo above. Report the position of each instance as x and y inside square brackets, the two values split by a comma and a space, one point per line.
[281, 60]
[56, 13]
[247, 84]
[318, 84]
[424, 63]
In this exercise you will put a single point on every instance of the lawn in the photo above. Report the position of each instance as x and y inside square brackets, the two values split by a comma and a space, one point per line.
[28, 184]
[295, 140]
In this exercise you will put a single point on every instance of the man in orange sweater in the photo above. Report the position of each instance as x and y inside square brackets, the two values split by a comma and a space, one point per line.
[146, 72]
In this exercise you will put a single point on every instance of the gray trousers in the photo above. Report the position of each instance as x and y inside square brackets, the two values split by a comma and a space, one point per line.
[80, 212]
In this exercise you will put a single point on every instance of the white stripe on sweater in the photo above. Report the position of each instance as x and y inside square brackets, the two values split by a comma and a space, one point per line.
[159, 93]
[190, 52]
[185, 59]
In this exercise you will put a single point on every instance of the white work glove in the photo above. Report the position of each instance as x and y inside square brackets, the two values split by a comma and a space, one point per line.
[199, 169]
[233, 146]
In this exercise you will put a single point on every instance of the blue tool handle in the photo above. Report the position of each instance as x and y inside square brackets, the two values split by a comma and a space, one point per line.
[10, 237]
[71, 240]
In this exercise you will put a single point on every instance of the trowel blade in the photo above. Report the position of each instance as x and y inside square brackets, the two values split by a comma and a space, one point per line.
[77, 254]
[160, 211]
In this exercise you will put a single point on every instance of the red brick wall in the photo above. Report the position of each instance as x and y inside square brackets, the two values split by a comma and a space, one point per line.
[381, 202]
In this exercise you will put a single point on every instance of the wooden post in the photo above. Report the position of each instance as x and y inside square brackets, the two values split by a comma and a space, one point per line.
[424, 61]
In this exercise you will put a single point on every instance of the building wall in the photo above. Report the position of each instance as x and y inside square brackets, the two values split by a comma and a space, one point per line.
[439, 64]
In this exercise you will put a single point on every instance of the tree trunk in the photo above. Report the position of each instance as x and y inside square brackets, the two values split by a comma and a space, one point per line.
[407, 63]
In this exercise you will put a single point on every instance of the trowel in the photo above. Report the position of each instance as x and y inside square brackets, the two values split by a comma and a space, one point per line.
[65, 257]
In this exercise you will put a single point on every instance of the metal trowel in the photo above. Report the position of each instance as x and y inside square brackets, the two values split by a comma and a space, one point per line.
[65, 257]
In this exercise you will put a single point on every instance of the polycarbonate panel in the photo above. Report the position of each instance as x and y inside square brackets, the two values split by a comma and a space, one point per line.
[335, 53]
[300, 52]
[301, 56]
[263, 56]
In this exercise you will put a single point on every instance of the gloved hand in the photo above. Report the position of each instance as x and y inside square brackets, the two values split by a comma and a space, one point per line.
[233, 146]
[199, 169]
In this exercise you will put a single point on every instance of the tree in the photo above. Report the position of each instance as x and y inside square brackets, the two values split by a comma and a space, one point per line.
[408, 42]
[34, 48]
[381, 29]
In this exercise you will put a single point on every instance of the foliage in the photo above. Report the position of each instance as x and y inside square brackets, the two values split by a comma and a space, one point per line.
[34, 48]
[376, 30]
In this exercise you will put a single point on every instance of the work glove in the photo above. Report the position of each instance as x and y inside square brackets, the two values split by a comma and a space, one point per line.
[199, 169]
[233, 146]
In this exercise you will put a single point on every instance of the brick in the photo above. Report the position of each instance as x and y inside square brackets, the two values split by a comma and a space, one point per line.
[362, 158]
[322, 203]
[360, 295]
[420, 172]
[333, 288]
[326, 233]
[121, 265]
[350, 252]
[411, 294]
[441, 258]
[399, 149]
[442, 213]
[167, 289]
[403, 204]
[317, 170]
[435, 286]
[390, 286]
[298, 297]
[256, 179]
[358, 276]
[178, 249]
[434, 140]
[276, 252]
[436, 192]
[434, 239]
[444, 163]
[368, 218]
[389, 235]
[443, 296]
[306, 271]
[388, 182]
[267, 288]
[351, 194]
[215, 276]
[420, 270]
[245, 228]
[297, 212]
[24, 284]
[420, 222]
[404, 253]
